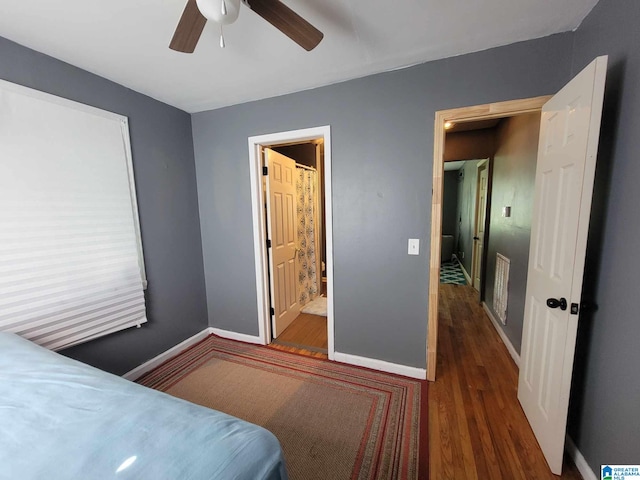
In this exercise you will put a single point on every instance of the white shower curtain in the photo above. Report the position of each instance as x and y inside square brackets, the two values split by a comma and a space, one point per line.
[307, 268]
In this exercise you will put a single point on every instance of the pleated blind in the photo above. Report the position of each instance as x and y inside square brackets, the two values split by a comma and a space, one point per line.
[71, 266]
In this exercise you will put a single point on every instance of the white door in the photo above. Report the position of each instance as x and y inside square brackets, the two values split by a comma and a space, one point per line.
[569, 131]
[481, 215]
[282, 223]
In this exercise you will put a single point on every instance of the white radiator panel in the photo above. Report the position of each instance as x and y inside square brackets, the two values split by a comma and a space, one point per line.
[500, 288]
[71, 265]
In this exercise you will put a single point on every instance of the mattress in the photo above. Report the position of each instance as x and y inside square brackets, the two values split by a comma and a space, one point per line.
[61, 419]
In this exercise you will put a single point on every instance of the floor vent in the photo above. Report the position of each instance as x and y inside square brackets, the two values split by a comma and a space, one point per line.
[500, 290]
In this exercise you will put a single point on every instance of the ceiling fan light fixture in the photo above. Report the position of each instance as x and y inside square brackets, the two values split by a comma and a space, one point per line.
[222, 12]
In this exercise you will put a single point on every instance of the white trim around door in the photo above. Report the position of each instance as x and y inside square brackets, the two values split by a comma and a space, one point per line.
[259, 225]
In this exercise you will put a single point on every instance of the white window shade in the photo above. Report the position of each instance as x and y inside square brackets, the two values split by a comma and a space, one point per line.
[71, 266]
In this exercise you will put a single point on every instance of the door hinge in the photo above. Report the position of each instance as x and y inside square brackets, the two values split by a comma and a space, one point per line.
[265, 170]
[273, 312]
[268, 243]
[577, 308]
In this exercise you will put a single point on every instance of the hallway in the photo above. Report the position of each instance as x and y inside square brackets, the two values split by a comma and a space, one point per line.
[477, 429]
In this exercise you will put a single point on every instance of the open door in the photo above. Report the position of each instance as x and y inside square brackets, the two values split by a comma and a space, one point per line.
[481, 216]
[569, 132]
[281, 227]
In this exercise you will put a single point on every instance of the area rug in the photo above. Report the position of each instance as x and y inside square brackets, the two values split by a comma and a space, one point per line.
[333, 421]
[451, 272]
[318, 306]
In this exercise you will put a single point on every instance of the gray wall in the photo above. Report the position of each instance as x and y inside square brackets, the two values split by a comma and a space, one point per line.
[450, 203]
[466, 213]
[605, 403]
[161, 141]
[381, 129]
[514, 175]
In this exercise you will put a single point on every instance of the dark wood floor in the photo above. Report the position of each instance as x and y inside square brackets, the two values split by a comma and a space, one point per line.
[307, 335]
[477, 429]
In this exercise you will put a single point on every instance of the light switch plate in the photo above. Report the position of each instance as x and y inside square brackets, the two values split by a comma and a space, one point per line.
[414, 246]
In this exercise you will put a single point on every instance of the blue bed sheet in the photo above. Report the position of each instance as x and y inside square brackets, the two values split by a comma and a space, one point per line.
[61, 419]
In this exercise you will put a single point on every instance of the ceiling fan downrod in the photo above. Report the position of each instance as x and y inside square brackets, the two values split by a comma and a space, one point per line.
[223, 10]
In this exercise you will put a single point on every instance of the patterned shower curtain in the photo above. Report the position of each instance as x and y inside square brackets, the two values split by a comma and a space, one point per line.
[307, 279]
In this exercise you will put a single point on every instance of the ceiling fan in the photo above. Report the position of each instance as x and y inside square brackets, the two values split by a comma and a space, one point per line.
[197, 12]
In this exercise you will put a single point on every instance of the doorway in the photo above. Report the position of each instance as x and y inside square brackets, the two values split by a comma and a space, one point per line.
[297, 267]
[482, 191]
[292, 225]
[450, 118]
[465, 193]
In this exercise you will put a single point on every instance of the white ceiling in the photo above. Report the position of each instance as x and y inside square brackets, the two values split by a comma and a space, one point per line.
[127, 41]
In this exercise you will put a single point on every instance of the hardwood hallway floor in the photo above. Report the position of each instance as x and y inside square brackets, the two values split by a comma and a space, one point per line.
[477, 429]
[307, 335]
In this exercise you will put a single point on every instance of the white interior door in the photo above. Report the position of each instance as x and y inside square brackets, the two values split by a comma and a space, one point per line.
[570, 127]
[481, 215]
[281, 224]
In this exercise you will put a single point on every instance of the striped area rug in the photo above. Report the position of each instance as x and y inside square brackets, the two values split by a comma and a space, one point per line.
[333, 421]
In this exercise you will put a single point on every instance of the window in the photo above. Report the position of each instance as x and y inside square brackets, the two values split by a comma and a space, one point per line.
[71, 263]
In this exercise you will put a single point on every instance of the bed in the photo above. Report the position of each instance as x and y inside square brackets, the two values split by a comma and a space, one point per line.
[61, 419]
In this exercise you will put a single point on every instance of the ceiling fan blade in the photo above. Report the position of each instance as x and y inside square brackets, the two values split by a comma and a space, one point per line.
[288, 22]
[189, 29]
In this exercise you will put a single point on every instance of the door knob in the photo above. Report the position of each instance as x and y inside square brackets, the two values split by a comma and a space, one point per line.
[476, 238]
[555, 303]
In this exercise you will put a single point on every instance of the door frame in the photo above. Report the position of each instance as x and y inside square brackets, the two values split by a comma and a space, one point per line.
[256, 143]
[478, 112]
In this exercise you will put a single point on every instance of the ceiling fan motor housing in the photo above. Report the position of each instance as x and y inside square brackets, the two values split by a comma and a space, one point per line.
[214, 10]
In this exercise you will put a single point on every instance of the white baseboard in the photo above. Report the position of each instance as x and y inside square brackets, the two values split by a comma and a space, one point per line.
[464, 272]
[381, 365]
[163, 357]
[503, 336]
[581, 464]
[241, 337]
